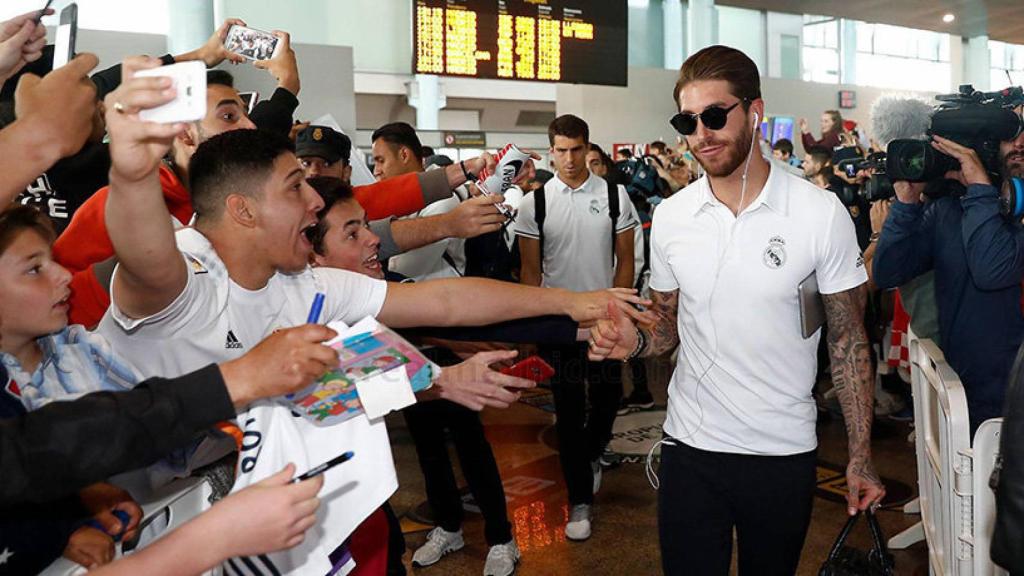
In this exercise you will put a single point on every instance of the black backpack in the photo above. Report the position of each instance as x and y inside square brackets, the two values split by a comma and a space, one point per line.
[1008, 477]
[488, 256]
[540, 213]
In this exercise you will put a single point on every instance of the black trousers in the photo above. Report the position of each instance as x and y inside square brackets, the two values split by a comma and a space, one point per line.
[582, 436]
[705, 495]
[427, 423]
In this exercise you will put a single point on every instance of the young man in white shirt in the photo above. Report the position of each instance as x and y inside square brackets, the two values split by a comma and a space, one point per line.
[578, 246]
[728, 254]
[209, 292]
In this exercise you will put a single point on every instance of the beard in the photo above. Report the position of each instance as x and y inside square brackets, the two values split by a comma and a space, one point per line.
[729, 160]
[1013, 164]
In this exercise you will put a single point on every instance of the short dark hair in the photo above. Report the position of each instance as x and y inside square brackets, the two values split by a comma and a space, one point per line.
[237, 161]
[220, 78]
[18, 218]
[428, 152]
[820, 154]
[722, 63]
[624, 152]
[658, 147]
[784, 145]
[400, 134]
[569, 126]
[331, 190]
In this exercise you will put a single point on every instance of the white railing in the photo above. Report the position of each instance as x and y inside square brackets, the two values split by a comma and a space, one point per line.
[957, 507]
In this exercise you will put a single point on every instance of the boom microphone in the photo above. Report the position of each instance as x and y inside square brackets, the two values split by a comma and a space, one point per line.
[894, 117]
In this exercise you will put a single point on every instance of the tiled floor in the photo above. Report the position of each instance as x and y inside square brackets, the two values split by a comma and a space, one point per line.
[624, 539]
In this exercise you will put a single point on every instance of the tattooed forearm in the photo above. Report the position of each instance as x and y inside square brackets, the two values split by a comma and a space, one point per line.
[851, 369]
[663, 336]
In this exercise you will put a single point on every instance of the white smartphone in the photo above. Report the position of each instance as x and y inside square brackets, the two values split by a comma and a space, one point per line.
[251, 43]
[67, 33]
[190, 103]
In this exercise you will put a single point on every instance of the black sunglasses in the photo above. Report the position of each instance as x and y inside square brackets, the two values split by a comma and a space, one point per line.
[713, 118]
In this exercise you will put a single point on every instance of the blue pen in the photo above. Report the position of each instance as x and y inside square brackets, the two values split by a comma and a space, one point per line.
[314, 311]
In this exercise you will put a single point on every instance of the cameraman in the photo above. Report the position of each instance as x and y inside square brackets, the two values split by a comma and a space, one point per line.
[976, 258]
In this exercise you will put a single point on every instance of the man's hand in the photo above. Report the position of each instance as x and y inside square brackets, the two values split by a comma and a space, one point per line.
[296, 128]
[213, 52]
[865, 487]
[804, 128]
[475, 216]
[271, 515]
[59, 106]
[971, 170]
[474, 385]
[284, 362]
[283, 65]
[89, 547]
[488, 162]
[879, 213]
[614, 338]
[21, 41]
[908, 192]
[137, 147]
[588, 307]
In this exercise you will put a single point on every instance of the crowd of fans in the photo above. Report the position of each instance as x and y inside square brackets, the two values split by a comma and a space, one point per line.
[156, 281]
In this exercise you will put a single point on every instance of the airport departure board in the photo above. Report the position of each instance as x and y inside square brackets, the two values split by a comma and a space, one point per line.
[574, 41]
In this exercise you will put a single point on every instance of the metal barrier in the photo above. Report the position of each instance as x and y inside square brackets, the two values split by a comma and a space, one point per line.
[957, 507]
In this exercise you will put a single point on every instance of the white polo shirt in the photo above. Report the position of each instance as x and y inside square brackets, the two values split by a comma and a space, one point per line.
[215, 320]
[743, 379]
[577, 232]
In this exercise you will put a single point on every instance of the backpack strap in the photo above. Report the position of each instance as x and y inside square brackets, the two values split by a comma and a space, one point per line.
[539, 214]
[613, 212]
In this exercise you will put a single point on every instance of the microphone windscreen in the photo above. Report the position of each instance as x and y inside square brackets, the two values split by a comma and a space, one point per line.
[894, 117]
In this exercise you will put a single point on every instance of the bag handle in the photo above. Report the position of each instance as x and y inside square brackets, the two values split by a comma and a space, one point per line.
[878, 542]
[881, 549]
[843, 535]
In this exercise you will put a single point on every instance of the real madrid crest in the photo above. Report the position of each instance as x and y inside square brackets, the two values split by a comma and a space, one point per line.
[318, 134]
[775, 254]
[595, 208]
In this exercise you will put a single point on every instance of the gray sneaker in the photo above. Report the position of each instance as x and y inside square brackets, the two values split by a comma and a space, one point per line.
[439, 543]
[502, 559]
[578, 527]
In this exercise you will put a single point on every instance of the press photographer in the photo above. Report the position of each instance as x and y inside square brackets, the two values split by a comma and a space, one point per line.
[965, 233]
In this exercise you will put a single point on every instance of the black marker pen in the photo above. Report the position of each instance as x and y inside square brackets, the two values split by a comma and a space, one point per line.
[325, 467]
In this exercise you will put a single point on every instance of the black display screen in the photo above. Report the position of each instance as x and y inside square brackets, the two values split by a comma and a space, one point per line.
[574, 41]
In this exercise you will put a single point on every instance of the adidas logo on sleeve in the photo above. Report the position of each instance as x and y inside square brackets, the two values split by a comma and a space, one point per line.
[232, 342]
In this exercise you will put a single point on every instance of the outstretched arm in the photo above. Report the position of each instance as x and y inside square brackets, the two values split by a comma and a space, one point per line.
[617, 337]
[854, 383]
[152, 272]
[480, 301]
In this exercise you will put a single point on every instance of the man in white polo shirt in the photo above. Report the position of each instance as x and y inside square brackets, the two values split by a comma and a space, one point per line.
[208, 293]
[584, 241]
[728, 254]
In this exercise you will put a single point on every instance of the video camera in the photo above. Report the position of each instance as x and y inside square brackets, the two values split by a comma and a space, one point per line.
[978, 120]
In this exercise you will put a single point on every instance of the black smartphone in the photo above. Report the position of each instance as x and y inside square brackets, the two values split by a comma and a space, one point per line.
[67, 32]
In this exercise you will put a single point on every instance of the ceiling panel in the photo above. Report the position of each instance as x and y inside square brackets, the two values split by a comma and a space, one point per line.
[1001, 19]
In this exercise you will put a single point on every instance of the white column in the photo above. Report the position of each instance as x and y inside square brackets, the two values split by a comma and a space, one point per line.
[190, 24]
[701, 26]
[674, 39]
[976, 63]
[848, 52]
[426, 96]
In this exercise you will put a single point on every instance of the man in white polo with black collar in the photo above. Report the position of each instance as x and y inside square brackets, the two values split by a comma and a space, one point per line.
[728, 254]
[577, 233]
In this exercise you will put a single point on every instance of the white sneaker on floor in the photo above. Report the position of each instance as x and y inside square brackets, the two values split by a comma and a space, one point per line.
[502, 559]
[578, 527]
[595, 467]
[439, 543]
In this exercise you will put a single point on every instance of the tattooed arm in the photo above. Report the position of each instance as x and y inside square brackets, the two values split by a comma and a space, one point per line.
[616, 337]
[854, 384]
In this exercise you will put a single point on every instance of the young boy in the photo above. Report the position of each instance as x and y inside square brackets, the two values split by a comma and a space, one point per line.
[46, 360]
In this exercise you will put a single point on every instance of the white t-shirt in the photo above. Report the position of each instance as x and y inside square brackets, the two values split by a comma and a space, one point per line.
[215, 320]
[743, 379]
[577, 232]
[445, 258]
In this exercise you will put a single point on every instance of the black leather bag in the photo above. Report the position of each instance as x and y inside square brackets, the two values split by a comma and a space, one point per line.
[1008, 477]
[846, 561]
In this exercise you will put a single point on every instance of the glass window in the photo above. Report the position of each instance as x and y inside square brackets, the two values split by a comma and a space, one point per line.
[1007, 64]
[820, 53]
[904, 58]
[144, 16]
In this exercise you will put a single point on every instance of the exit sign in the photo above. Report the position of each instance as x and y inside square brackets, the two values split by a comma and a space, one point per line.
[847, 99]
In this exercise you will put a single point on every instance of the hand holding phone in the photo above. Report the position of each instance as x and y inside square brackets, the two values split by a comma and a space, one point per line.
[252, 44]
[189, 105]
[67, 35]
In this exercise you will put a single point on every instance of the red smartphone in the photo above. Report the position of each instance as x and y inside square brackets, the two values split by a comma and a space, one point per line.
[532, 368]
